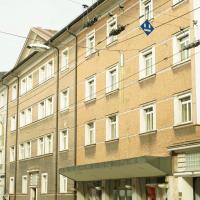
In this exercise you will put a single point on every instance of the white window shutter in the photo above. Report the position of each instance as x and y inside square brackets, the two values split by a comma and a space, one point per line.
[108, 136]
[154, 116]
[86, 90]
[107, 81]
[175, 51]
[154, 59]
[86, 135]
[142, 119]
[117, 76]
[177, 111]
[141, 66]
[117, 126]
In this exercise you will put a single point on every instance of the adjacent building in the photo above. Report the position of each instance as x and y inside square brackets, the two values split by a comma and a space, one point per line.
[103, 110]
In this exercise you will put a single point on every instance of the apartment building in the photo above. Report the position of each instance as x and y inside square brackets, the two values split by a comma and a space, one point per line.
[39, 142]
[3, 124]
[138, 101]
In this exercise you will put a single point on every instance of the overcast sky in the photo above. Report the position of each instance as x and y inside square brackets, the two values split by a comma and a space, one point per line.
[18, 16]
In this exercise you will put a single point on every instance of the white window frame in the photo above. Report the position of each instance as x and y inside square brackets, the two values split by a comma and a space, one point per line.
[26, 84]
[46, 73]
[142, 63]
[24, 184]
[65, 59]
[45, 108]
[64, 140]
[2, 99]
[64, 100]
[111, 39]
[177, 53]
[13, 122]
[11, 185]
[109, 127]
[48, 147]
[26, 117]
[109, 86]
[1, 157]
[143, 118]
[63, 184]
[14, 92]
[178, 108]
[90, 43]
[88, 95]
[44, 183]
[88, 132]
[12, 153]
[41, 143]
[143, 5]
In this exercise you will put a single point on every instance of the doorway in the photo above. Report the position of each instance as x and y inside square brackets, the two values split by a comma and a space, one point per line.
[197, 188]
[33, 193]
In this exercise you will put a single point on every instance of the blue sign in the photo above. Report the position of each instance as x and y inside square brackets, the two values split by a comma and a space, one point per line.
[147, 27]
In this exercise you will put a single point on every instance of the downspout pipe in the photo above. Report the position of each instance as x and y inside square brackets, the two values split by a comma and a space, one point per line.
[5, 140]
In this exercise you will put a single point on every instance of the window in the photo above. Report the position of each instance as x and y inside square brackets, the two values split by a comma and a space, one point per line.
[64, 99]
[14, 92]
[112, 128]
[183, 109]
[112, 79]
[179, 42]
[2, 99]
[63, 184]
[1, 157]
[24, 184]
[90, 43]
[25, 150]
[41, 146]
[26, 117]
[65, 59]
[46, 72]
[146, 10]
[148, 118]
[63, 140]
[45, 145]
[45, 108]
[147, 63]
[11, 185]
[12, 153]
[90, 88]
[44, 183]
[90, 133]
[26, 84]
[111, 25]
[48, 144]
[13, 123]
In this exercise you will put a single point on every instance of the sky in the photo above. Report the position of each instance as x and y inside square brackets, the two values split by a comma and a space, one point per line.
[18, 16]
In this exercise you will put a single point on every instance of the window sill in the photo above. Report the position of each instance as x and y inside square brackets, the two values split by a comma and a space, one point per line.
[90, 55]
[63, 150]
[147, 78]
[90, 145]
[112, 141]
[183, 125]
[13, 131]
[178, 4]
[180, 64]
[63, 110]
[64, 68]
[45, 81]
[112, 92]
[90, 101]
[148, 133]
[110, 44]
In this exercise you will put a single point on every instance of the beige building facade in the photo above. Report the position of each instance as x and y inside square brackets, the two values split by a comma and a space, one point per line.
[100, 110]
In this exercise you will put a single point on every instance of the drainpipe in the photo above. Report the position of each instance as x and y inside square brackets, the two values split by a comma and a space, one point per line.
[75, 106]
[16, 140]
[5, 140]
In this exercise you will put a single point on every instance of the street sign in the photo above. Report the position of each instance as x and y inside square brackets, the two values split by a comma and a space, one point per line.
[147, 27]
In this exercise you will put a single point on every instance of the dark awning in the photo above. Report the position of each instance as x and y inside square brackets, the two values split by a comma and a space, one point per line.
[146, 166]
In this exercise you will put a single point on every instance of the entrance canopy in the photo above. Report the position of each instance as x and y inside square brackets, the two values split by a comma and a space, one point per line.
[146, 166]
